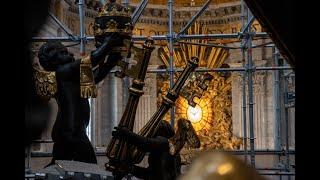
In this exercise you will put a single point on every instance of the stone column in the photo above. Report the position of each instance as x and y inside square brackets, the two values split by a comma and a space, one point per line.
[108, 109]
[237, 121]
[147, 103]
[263, 108]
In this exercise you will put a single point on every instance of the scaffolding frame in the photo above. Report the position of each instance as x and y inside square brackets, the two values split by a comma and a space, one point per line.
[245, 35]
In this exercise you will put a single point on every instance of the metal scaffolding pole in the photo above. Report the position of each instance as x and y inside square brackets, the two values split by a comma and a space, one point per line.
[28, 157]
[170, 37]
[126, 80]
[82, 31]
[244, 96]
[270, 169]
[236, 152]
[137, 13]
[286, 116]
[63, 39]
[194, 18]
[269, 44]
[160, 37]
[63, 27]
[213, 69]
[126, 3]
[248, 25]
[250, 91]
[219, 36]
[209, 45]
[278, 173]
[276, 99]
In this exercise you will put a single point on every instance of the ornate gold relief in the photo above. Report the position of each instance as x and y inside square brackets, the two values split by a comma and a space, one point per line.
[87, 85]
[211, 117]
[45, 82]
[125, 12]
[113, 17]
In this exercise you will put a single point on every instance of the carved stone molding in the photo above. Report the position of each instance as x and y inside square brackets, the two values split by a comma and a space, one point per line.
[159, 14]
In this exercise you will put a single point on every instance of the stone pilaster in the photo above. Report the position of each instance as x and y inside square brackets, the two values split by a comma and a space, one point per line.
[147, 103]
[263, 107]
[108, 109]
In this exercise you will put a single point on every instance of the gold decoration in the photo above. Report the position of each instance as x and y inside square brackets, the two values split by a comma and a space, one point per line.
[139, 55]
[213, 122]
[220, 166]
[117, 149]
[196, 88]
[125, 11]
[116, 16]
[210, 57]
[112, 27]
[87, 85]
[45, 82]
[149, 129]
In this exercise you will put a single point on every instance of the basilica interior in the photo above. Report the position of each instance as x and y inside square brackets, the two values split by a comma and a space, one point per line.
[240, 99]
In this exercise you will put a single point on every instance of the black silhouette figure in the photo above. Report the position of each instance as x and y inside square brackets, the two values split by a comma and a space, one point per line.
[164, 158]
[69, 130]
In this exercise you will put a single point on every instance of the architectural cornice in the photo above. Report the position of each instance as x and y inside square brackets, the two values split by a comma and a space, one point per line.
[158, 14]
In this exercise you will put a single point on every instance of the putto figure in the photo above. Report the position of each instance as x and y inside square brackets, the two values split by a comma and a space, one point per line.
[164, 148]
[71, 82]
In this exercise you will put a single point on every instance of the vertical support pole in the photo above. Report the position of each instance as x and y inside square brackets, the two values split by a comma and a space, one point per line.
[126, 3]
[126, 80]
[244, 110]
[93, 125]
[114, 100]
[28, 157]
[286, 116]
[250, 91]
[244, 96]
[82, 30]
[276, 99]
[88, 129]
[170, 6]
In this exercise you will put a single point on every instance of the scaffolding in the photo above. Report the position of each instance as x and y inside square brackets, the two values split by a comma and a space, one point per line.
[247, 71]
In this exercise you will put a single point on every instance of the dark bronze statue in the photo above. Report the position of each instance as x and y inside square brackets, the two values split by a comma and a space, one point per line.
[117, 149]
[121, 154]
[164, 159]
[114, 17]
[168, 101]
[71, 82]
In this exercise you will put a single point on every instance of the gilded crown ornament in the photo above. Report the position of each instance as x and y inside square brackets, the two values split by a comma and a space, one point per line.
[114, 9]
[113, 17]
